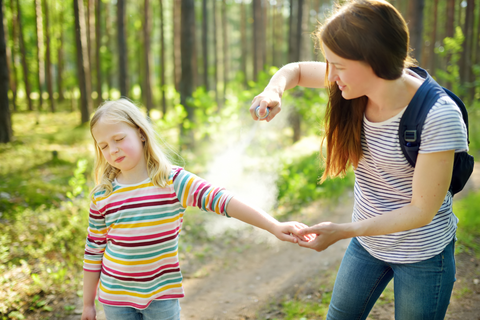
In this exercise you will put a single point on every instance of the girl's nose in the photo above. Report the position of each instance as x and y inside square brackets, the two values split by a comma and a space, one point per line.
[113, 150]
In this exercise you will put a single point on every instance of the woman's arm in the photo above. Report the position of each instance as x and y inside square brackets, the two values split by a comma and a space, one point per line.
[285, 231]
[90, 283]
[431, 180]
[305, 74]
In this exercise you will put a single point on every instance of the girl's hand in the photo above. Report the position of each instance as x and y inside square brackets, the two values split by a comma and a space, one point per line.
[89, 313]
[270, 99]
[289, 231]
[322, 235]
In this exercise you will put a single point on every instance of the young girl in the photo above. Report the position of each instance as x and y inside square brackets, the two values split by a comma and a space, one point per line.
[136, 215]
[403, 226]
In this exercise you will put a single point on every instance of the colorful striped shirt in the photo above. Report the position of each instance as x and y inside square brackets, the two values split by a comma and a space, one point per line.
[133, 237]
[383, 183]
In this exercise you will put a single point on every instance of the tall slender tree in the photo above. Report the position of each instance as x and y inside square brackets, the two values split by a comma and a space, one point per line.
[243, 37]
[60, 50]
[186, 82]
[23, 54]
[48, 59]
[83, 67]
[147, 57]
[205, 44]
[468, 45]
[415, 25]
[215, 52]
[40, 52]
[11, 69]
[162, 61]
[98, 45]
[122, 48]
[6, 132]
[177, 35]
[433, 39]
[225, 50]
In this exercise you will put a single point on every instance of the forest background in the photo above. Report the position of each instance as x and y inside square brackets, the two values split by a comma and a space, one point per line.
[193, 66]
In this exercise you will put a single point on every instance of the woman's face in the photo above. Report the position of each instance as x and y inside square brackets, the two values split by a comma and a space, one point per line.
[353, 78]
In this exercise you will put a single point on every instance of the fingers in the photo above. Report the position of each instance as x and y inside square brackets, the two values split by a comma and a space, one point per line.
[307, 230]
[264, 101]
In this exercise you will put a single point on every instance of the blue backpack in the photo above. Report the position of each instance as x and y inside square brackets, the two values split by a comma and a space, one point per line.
[411, 125]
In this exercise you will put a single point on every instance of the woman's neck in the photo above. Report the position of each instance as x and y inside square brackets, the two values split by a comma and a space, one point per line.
[388, 97]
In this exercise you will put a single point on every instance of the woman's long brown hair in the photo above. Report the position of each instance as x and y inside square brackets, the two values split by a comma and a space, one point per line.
[371, 31]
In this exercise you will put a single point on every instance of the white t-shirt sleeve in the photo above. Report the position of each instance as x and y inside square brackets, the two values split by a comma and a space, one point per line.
[444, 128]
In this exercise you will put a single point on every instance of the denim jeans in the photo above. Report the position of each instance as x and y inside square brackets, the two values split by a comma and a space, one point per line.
[157, 310]
[422, 290]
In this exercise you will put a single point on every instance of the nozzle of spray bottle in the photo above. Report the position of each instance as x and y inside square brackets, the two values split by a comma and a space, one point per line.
[257, 113]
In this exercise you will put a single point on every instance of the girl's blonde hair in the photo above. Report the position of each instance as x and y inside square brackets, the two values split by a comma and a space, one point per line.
[371, 31]
[158, 164]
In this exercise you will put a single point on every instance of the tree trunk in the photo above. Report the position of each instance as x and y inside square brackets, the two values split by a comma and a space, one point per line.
[98, 42]
[162, 62]
[40, 52]
[60, 57]
[294, 117]
[49, 57]
[291, 34]
[110, 37]
[431, 64]
[177, 35]
[186, 82]
[23, 53]
[466, 57]
[205, 44]
[122, 49]
[215, 53]
[82, 60]
[243, 36]
[449, 31]
[5, 117]
[147, 81]
[257, 37]
[11, 70]
[415, 25]
[225, 50]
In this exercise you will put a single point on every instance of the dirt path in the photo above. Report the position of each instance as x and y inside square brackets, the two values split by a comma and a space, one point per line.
[260, 274]
[237, 286]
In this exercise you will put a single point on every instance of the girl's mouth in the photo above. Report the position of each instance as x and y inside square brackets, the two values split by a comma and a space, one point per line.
[118, 160]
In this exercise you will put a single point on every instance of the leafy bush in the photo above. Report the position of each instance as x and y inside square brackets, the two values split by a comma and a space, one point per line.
[468, 213]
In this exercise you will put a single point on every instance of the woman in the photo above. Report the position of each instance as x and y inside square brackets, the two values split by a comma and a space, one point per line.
[402, 224]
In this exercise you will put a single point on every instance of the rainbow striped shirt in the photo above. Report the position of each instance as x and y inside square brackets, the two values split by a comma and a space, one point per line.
[133, 237]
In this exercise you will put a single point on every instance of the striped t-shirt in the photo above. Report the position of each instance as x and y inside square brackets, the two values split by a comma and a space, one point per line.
[383, 182]
[133, 237]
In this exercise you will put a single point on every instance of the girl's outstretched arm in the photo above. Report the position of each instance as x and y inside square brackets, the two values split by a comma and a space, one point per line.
[305, 74]
[90, 283]
[285, 231]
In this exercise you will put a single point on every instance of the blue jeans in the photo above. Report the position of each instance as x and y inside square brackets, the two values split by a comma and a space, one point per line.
[157, 310]
[422, 290]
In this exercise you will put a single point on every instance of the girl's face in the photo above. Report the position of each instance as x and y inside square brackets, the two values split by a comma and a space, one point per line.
[121, 146]
[353, 78]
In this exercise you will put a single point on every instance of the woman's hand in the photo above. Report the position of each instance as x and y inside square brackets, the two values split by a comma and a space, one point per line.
[267, 99]
[89, 313]
[290, 231]
[321, 236]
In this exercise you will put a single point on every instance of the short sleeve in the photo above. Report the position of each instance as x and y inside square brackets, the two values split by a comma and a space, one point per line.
[444, 128]
[96, 240]
[193, 191]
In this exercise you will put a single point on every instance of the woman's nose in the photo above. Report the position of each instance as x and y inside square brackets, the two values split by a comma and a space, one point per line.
[332, 76]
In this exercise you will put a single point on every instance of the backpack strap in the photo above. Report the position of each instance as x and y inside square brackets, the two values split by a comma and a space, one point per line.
[411, 123]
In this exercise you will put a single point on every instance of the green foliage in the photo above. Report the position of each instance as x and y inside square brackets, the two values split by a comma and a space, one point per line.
[468, 213]
[295, 310]
[298, 182]
[453, 48]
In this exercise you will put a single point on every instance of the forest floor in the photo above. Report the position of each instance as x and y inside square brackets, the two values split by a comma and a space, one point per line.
[251, 278]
